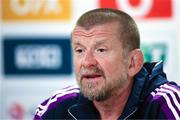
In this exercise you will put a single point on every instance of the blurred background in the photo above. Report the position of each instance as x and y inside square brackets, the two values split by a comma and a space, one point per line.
[35, 53]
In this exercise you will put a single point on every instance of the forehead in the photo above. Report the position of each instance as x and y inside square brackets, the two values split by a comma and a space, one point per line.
[102, 30]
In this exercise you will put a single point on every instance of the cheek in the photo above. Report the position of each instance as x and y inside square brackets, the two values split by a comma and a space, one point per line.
[106, 66]
[77, 65]
[111, 66]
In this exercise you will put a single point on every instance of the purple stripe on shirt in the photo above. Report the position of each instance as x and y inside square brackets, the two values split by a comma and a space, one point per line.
[36, 117]
[172, 101]
[175, 93]
[45, 102]
[174, 86]
[164, 106]
[73, 89]
[60, 99]
[54, 104]
[65, 91]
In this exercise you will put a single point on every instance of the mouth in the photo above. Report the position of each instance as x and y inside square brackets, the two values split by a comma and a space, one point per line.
[91, 76]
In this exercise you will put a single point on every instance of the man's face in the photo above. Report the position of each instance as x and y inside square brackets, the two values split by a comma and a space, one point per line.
[99, 65]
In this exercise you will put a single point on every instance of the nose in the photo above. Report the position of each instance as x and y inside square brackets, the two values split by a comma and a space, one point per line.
[89, 60]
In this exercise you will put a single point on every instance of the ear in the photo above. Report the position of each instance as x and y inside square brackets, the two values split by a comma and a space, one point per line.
[136, 61]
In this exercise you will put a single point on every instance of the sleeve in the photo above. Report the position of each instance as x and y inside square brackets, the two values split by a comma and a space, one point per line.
[61, 98]
[43, 110]
[165, 102]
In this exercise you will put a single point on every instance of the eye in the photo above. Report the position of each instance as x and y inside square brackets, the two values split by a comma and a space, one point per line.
[101, 50]
[78, 50]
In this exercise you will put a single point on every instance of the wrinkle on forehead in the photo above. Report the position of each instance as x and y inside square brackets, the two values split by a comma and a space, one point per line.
[79, 31]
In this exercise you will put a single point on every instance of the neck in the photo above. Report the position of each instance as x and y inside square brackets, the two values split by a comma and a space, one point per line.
[112, 108]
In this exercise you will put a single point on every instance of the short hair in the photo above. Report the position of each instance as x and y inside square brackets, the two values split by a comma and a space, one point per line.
[128, 30]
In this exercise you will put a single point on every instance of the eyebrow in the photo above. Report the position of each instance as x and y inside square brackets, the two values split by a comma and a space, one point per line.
[77, 43]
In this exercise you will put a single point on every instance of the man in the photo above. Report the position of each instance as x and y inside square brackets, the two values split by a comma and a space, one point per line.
[113, 81]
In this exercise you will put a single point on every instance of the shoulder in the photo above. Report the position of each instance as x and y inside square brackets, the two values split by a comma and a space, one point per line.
[167, 96]
[62, 96]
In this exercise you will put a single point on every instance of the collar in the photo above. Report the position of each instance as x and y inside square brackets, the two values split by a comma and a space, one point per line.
[134, 97]
[84, 109]
[144, 83]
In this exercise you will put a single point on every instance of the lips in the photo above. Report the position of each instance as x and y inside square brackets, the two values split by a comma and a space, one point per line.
[91, 76]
